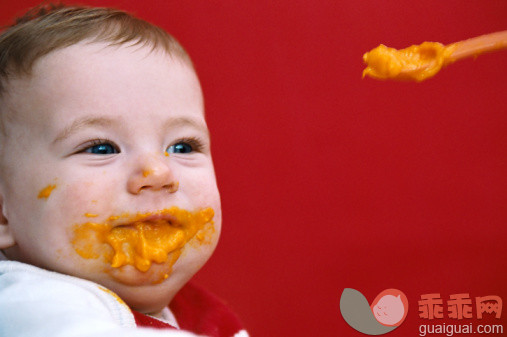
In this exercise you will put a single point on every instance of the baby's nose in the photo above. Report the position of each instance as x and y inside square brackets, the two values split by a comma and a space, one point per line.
[153, 174]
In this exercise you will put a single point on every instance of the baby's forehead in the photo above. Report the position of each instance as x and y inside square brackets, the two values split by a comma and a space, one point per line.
[96, 62]
[90, 57]
[96, 77]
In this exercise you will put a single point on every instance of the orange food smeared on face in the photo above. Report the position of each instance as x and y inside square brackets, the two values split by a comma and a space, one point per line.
[46, 192]
[145, 239]
[417, 62]
[147, 173]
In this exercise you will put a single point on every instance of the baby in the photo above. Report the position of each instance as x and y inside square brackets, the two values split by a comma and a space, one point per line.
[109, 202]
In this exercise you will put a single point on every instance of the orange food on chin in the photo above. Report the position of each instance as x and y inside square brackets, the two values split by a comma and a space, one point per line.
[142, 241]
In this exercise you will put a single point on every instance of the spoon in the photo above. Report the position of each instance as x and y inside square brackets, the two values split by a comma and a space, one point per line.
[423, 61]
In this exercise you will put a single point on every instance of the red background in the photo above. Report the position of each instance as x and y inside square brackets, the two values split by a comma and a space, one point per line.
[329, 181]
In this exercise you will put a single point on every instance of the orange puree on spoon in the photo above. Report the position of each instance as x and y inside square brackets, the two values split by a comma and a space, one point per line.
[415, 62]
[145, 238]
[425, 60]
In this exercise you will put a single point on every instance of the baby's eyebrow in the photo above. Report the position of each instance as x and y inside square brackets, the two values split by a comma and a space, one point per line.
[82, 123]
[184, 121]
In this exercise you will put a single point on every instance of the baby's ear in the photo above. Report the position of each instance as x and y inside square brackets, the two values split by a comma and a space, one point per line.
[6, 237]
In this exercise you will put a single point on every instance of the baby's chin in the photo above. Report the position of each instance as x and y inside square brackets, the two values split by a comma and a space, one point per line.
[146, 292]
[130, 276]
[176, 269]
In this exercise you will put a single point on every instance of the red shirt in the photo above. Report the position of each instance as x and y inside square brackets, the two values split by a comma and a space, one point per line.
[198, 311]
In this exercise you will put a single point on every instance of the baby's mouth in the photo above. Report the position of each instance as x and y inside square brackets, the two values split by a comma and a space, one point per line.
[143, 239]
[161, 217]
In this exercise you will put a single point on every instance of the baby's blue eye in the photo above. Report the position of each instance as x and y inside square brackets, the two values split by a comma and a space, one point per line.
[180, 147]
[104, 148]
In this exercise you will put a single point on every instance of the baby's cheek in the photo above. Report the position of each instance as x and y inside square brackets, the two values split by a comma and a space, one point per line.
[86, 198]
[201, 190]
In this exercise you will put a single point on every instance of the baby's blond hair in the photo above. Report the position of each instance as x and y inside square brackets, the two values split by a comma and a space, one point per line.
[51, 27]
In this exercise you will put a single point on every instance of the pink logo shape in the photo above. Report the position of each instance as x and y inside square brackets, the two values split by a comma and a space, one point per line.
[390, 307]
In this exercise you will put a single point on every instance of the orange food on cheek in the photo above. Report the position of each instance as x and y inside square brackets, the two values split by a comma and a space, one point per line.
[46, 192]
[141, 243]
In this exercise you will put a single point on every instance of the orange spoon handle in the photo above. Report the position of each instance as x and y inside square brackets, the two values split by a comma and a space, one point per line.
[480, 44]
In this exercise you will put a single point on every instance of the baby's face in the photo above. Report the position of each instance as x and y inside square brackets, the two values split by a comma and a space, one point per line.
[106, 136]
